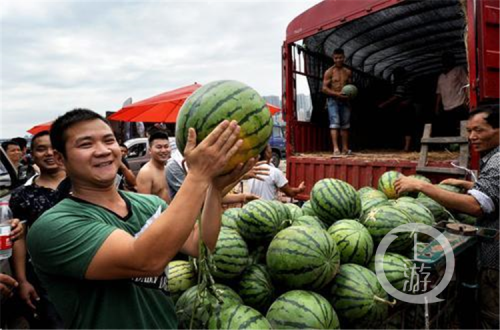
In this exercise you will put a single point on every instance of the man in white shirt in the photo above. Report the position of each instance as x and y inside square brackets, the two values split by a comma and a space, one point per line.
[452, 95]
[267, 187]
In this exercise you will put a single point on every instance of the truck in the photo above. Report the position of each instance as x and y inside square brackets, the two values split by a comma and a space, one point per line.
[378, 36]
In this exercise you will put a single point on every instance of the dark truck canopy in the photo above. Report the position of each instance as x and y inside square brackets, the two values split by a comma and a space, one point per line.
[409, 34]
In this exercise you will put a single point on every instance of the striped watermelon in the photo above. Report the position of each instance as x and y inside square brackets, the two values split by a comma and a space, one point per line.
[258, 254]
[190, 307]
[405, 199]
[230, 217]
[281, 209]
[420, 177]
[303, 257]
[354, 241]
[465, 218]
[239, 317]
[308, 220]
[358, 297]
[381, 220]
[368, 203]
[334, 200]
[450, 187]
[438, 211]
[397, 269]
[259, 220]
[256, 288]
[230, 255]
[417, 212]
[294, 210]
[181, 276]
[386, 183]
[226, 99]
[367, 193]
[299, 309]
[307, 209]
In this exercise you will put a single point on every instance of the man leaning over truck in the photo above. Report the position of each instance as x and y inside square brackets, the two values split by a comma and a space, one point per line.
[481, 200]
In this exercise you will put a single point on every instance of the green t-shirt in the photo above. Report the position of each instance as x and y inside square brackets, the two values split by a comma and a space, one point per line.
[63, 242]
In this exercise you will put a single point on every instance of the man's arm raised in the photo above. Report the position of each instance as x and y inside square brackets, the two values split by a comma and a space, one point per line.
[123, 256]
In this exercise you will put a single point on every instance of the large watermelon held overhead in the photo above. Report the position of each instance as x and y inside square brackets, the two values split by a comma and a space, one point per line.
[232, 100]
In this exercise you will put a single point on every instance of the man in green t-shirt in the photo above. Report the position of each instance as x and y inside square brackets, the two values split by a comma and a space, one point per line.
[101, 253]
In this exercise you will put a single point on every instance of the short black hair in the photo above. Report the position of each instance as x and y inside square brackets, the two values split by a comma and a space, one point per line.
[59, 127]
[21, 142]
[157, 135]
[338, 51]
[6, 144]
[37, 136]
[491, 111]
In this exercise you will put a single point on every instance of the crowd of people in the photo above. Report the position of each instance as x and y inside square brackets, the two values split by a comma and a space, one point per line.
[97, 238]
[451, 101]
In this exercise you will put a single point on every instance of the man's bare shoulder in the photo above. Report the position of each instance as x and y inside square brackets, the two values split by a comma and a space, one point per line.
[327, 73]
[146, 171]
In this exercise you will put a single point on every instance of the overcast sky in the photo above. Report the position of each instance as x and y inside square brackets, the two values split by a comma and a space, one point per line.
[58, 55]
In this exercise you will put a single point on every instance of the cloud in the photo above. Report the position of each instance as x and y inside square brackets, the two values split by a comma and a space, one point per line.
[59, 55]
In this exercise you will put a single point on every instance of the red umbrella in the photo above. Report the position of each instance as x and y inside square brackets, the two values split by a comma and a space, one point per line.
[273, 108]
[41, 127]
[162, 108]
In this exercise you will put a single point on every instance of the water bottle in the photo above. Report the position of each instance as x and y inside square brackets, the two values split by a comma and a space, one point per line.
[5, 242]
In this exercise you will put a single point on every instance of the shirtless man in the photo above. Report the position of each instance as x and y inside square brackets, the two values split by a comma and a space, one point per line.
[339, 111]
[151, 178]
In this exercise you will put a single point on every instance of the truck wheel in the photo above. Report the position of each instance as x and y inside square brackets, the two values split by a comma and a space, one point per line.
[275, 159]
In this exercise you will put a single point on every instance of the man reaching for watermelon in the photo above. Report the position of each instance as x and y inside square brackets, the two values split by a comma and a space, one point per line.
[481, 200]
[339, 111]
[101, 253]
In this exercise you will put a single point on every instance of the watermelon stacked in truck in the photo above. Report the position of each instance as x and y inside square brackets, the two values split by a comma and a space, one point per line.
[278, 265]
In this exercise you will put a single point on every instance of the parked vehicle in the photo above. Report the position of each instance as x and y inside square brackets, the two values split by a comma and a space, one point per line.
[138, 152]
[278, 144]
[378, 36]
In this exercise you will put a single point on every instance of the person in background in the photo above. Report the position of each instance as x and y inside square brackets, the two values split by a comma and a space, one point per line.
[481, 201]
[11, 317]
[13, 151]
[451, 96]
[28, 202]
[104, 264]
[401, 101]
[268, 186]
[15, 155]
[151, 177]
[127, 178]
[176, 171]
[339, 110]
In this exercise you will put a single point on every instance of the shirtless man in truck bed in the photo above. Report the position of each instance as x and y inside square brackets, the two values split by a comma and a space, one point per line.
[339, 111]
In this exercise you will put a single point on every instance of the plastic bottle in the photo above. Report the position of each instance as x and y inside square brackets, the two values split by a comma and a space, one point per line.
[5, 242]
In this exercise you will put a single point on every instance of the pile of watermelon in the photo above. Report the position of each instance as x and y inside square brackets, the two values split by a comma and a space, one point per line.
[282, 266]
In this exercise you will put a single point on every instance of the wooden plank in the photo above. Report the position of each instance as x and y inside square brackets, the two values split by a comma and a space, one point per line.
[442, 170]
[463, 160]
[445, 140]
[424, 148]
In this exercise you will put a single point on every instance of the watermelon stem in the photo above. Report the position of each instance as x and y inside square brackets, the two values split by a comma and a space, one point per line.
[383, 301]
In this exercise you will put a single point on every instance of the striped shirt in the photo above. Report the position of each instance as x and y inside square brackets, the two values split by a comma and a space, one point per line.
[486, 191]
